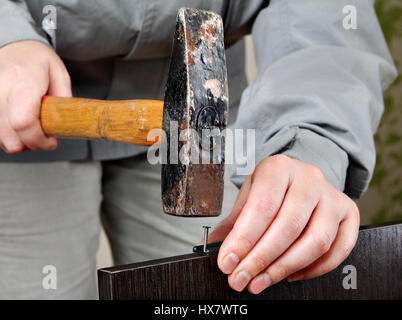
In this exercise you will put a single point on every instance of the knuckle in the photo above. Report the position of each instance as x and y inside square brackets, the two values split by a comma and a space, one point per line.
[258, 262]
[346, 249]
[336, 197]
[278, 272]
[10, 146]
[259, 169]
[15, 72]
[66, 78]
[21, 122]
[321, 269]
[314, 173]
[278, 160]
[321, 242]
[348, 208]
[7, 143]
[266, 208]
[243, 243]
[294, 226]
[302, 198]
[13, 149]
[354, 210]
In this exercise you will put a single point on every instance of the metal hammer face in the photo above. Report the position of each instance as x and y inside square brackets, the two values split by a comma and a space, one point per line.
[196, 103]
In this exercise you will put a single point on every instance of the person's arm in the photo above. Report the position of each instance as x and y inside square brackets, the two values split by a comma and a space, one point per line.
[315, 105]
[17, 24]
[29, 69]
[318, 94]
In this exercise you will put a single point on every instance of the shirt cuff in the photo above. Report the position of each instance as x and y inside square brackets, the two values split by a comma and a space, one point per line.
[14, 28]
[307, 146]
[319, 151]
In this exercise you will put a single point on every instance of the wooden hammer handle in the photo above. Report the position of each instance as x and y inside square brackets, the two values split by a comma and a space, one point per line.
[127, 121]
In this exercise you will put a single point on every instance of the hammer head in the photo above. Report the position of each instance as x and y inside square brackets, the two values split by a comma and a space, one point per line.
[195, 108]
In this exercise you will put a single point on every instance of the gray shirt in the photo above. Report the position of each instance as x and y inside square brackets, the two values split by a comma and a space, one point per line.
[317, 96]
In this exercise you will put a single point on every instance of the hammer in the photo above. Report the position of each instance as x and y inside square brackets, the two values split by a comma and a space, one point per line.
[196, 97]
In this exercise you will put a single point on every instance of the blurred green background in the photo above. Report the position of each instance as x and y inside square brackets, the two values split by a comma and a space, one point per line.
[383, 200]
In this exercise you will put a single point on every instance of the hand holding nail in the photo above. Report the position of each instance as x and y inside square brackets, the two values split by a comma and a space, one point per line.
[289, 222]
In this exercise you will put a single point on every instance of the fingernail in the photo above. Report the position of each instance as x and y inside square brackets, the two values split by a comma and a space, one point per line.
[260, 283]
[241, 280]
[295, 277]
[229, 263]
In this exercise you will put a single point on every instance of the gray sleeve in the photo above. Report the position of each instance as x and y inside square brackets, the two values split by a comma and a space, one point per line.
[318, 92]
[16, 23]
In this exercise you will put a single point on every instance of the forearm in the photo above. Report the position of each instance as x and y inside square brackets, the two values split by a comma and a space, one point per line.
[16, 24]
[318, 94]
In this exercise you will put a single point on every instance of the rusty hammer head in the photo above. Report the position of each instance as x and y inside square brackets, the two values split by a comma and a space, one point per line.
[195, 110]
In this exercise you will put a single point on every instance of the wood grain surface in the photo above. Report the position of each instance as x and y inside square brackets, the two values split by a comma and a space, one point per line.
[127, 121]
[377, 258]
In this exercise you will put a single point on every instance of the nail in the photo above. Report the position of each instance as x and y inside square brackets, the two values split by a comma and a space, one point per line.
[260, 283]
[206, 230]
[229, 263]
[241, 280]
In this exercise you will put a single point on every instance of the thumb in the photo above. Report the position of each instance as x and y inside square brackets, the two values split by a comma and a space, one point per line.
[223, 228]
[59, 80]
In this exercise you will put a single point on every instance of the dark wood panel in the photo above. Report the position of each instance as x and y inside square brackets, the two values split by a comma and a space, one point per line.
[377, 257]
